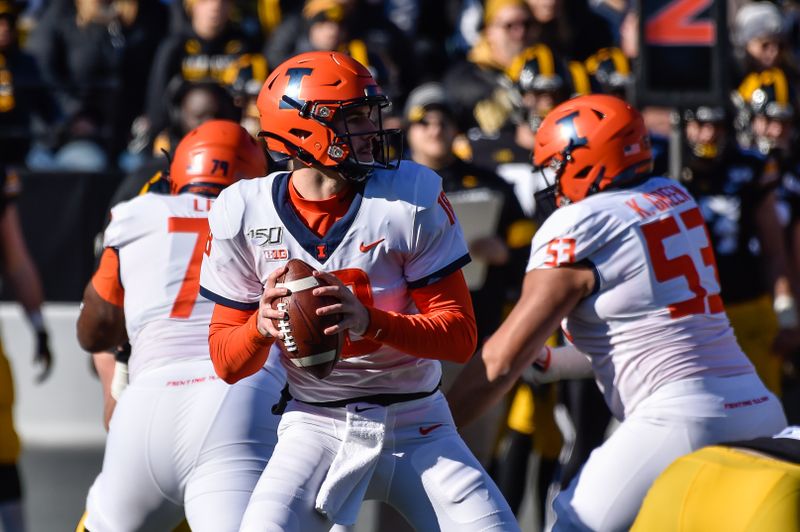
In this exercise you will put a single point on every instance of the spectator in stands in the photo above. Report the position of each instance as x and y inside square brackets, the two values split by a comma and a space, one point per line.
[430, 132]
[214, 48]
[481, 81]
[95, 55]
[759, 38]
[541, 80]
[25, 104]
[333, 25]
[20, 273]
[569, 27]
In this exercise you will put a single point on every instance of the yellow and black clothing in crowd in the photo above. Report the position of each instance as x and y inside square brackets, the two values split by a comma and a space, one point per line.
[96, 58]
[25, 103]
[190, 58]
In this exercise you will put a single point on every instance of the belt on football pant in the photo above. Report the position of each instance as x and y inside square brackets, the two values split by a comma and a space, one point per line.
[380, 399]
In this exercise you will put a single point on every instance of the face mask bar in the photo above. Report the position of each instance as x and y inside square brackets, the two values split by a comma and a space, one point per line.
[545, 198]
[383, 141]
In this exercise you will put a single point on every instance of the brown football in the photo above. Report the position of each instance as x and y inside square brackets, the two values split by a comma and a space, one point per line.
[304, 343]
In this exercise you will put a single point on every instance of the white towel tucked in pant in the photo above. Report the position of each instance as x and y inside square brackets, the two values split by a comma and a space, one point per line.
[341, 493]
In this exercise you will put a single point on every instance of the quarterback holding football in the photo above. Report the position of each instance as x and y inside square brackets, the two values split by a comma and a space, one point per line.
[387, 250]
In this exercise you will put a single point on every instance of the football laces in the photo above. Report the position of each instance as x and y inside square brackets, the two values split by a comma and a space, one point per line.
[286, 328]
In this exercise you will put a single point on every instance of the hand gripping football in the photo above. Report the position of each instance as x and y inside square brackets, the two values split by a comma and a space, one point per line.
[304, 342]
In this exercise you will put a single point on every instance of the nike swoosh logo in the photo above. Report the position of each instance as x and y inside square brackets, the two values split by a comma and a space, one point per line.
[364, 248]
[358, 409]
[427, 430]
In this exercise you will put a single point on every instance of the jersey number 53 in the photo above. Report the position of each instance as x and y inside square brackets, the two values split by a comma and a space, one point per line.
[706, 298]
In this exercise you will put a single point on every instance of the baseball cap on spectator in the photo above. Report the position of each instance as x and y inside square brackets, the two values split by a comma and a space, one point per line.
[323, 11]
[758, 20]
[424, 98]
[494, 6]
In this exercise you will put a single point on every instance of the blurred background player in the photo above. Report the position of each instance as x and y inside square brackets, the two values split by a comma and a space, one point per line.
[767, 121]
[668, 362]
[179, 435]
[735, 190]
[20, 273]
[377, 427]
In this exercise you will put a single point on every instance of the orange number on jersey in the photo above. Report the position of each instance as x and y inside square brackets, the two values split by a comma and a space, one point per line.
[682, 266]
[190, 287]
[675, 25]
[558, 247]
[358, 282]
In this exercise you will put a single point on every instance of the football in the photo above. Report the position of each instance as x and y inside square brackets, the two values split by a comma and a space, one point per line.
[304, 343]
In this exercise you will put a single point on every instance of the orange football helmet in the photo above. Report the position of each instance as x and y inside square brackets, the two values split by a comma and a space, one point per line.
[591, 143]
[304, 106]
[214, 155]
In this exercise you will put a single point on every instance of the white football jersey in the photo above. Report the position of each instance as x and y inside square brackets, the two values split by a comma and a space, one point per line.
[399, 233]
[160, 240]
[655, 315]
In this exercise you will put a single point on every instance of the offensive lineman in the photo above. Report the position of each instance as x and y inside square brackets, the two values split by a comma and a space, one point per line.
[179, 435]
[627, 262]
[388, 241]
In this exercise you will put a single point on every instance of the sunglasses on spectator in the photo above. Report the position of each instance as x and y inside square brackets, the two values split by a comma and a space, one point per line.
[512, 24]
[426, 122]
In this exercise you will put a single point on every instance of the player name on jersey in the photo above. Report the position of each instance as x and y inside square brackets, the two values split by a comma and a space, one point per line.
[659, 199]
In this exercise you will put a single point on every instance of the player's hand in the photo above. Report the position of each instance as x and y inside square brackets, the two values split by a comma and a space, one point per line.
[490, 249]
[540, 372]
[355, 316]
[264, 324]
[43, 357]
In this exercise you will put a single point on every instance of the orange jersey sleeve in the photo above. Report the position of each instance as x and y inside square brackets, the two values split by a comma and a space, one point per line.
[106, 280]
[445, 328]
[238, 350]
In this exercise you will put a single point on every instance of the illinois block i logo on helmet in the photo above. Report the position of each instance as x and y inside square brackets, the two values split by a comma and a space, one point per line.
[305, 108]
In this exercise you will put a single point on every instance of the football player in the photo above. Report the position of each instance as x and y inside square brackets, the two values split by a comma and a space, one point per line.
[179, 435]
[385, 238]
[20, 272]
[737, 191]
[626, 261]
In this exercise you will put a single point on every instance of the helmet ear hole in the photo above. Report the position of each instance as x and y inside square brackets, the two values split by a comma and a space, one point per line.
[583, 173]
[300, 133]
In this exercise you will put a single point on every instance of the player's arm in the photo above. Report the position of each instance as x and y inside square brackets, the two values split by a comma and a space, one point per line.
[773, 245]
[20, 272]
[104, 364]
[547, 296]
[101, 323]
[444, 329]
[239, 340]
